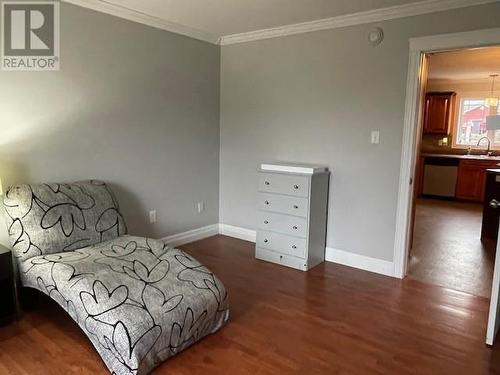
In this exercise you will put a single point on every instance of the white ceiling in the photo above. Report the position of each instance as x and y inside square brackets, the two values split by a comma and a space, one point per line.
[471, 64]
[226, 17]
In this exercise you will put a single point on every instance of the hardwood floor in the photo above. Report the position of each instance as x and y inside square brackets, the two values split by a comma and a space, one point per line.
[330, 320]
[447, 248]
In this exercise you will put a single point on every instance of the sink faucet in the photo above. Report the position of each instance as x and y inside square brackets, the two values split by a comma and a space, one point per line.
[488, 151]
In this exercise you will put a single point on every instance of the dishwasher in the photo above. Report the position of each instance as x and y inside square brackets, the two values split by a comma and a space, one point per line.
[440, 177]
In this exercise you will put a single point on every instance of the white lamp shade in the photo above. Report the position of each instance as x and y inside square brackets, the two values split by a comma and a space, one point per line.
[493, 122]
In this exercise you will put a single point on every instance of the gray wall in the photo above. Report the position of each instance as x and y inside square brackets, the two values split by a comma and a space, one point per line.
[315, 98]
[132, 105]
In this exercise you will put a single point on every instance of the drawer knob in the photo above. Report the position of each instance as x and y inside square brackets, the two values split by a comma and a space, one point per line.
[295, 206]
[294, 247]
[295, 187]
[281, 256]
[267, 183]
[266, 240]
[295, 227]
[267, 203]
[266, 222]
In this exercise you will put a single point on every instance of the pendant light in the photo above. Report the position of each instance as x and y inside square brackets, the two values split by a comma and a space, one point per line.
[492, 101]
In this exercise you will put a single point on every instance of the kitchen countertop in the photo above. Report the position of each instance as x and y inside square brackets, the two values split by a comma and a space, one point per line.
[457, 156]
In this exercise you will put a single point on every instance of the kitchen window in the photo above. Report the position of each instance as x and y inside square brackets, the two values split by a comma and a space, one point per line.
[471, 124]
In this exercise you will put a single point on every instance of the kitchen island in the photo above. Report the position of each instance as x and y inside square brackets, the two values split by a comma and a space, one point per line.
[491, 207]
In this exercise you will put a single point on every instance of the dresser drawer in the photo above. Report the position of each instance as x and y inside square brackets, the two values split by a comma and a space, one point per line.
[283, 204]
[282, 243]
[285, 260]
[284, 184]
[285, 224]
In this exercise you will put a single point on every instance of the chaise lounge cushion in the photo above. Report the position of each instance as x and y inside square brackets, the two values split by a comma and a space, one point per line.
[138, 301]
[51, 218]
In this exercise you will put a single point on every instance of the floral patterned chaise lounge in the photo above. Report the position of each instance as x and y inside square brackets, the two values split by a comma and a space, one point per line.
[139, 301]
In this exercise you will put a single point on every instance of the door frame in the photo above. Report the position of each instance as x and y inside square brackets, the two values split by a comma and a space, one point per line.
[414, 90]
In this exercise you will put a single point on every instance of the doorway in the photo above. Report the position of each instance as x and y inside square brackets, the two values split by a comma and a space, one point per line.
[415, 94]
[415, 91]
[456, 148]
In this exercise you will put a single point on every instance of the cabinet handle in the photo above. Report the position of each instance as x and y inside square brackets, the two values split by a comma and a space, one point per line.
[295, 227]
[267, 183]
[266, 240]
[295, 187]
[494, 203]
[266, 222]
[294, 247]
[295, 206]
[267, 203]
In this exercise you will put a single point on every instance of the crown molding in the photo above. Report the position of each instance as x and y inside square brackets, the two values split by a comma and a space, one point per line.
[144, 18]
[376, 15]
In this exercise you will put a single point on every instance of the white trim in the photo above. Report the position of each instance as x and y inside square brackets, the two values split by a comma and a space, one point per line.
[191, 235]
[452, 41]
[376, 15]
[419, 46]
[343, 257]
[238, 232]
[144, 18]
[407, 168]
[346, 258]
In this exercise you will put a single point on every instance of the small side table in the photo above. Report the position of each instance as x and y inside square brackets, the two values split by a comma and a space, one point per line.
[7, 291]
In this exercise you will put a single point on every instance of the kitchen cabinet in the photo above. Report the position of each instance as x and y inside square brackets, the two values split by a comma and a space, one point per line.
[438, 112]
[471, 179]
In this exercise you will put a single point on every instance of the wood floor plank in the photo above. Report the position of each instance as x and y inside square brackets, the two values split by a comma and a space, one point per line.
[330, 320]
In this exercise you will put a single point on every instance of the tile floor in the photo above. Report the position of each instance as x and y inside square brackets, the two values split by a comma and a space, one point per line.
[447, 250]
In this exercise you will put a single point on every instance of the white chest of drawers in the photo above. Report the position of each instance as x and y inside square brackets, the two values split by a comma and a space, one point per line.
[292, 214]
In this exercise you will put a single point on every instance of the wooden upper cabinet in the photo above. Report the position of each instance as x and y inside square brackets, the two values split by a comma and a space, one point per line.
[438, 112]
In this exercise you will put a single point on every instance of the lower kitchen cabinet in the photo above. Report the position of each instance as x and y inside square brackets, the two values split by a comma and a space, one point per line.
[472, 178]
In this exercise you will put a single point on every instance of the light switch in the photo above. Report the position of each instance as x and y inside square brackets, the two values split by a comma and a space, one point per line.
[375, 137]
[152, 216]
[200, 206]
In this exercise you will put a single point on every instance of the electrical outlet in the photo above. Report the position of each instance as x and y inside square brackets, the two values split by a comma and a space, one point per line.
[152, 216]
[200, 206]
[375, 137]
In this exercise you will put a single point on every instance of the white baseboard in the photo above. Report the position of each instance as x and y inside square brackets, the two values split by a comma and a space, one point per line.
[362, 262]
[343, 257]
[238, 232]
[191, 235]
